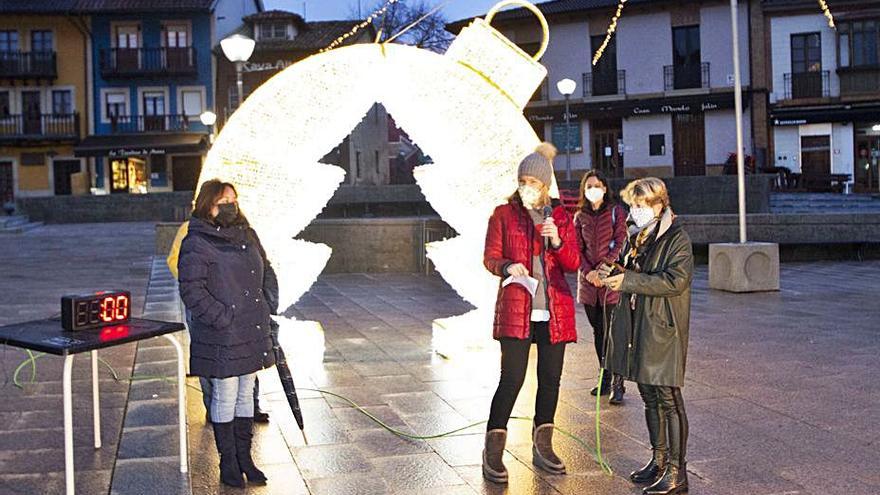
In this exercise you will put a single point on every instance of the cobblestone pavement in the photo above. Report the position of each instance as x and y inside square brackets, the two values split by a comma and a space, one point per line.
[38, 268]
[781, 392]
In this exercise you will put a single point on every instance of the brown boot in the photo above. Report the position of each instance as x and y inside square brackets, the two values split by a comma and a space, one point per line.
[493, 467]
[542, 450]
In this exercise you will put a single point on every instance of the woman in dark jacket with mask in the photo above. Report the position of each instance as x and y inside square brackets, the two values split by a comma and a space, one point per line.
[225, 280]
[648, 340]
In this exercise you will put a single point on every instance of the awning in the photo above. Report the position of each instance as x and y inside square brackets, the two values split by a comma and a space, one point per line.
[123, 145]
[698, 103]
[868, 113]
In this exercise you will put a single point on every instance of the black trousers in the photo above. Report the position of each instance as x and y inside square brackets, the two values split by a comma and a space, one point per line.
[667, 421]
[514, 362]
[596, 316]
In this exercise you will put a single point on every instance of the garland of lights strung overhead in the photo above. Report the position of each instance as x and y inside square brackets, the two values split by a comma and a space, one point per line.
[366, 22]
[609, 33]
[827, 11]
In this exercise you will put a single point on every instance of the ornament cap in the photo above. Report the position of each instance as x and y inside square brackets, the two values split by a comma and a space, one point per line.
[487, 51]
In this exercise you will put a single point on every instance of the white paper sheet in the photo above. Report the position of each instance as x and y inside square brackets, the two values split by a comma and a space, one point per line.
[531, 284]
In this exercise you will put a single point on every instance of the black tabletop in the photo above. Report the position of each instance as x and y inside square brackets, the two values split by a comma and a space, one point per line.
[48, 336]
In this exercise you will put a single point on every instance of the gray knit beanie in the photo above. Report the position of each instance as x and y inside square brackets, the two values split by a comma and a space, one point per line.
[539, 164]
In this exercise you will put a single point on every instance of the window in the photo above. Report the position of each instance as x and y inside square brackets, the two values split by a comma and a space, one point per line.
[5, 101]
[357, 164]
[806, 53]
[686, 46]
[273, 31]
[604, 74]
[233, 95]
[176, 36]
[127, 36]
[8, 41]
[115, 105]
[191, 102]
[657, 144]
[571, 140]
[376, 157]
[41, 41]
[62, 103]
[858, 42]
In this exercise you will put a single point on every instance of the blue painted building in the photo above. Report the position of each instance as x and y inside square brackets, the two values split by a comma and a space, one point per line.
[152, 75]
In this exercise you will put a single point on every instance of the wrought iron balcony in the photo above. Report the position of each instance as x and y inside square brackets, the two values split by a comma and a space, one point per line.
[542, 93]
[29, 127]
[859, 81]
[28, 65]
[139, 62]
[605, 83]
[126, 124]
[691, 76]
[806, 85]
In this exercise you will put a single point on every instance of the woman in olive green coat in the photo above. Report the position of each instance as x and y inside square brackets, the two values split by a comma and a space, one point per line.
[648, 335]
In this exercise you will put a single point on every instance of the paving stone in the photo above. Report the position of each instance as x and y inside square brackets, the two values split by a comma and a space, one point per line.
[140, 476]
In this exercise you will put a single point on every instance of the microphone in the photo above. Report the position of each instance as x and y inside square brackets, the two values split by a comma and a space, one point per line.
[548, 213]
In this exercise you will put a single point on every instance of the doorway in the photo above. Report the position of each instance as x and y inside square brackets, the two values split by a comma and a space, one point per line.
[30, 104]
[607, 144]
[689, 144]
[62, 170]
[7, 185]
[815, 155]
[185, 172]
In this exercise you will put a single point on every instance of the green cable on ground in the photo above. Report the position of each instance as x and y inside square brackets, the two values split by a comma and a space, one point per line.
[32, 360]
[604, 465]
[597, 455]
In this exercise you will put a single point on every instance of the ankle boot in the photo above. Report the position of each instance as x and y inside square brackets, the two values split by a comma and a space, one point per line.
[649, 474]
[493, 466]
[230, 474]
[542, 450]
[674, 480]
[617, 390]
[603, 388]
[244, 434]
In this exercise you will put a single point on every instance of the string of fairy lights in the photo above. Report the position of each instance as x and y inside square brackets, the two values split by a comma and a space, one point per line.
[609, 33]
[366, 22]
[827, 11]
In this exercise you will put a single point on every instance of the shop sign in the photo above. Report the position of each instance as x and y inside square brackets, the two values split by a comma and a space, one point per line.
[264, 66]
[126, 152]
[789, 121]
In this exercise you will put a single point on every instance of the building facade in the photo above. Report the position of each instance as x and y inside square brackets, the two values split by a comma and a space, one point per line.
[284, 38]
[825, 99]
[659, 102]
[43, 100]
[152, 74]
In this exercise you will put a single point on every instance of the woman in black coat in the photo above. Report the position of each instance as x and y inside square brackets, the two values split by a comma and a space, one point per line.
[225, 281]
[648, 337]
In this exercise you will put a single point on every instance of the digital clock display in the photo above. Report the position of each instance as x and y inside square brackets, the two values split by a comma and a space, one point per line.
[95, 310]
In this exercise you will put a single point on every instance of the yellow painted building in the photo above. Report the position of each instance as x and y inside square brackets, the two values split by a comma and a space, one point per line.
[44, 94]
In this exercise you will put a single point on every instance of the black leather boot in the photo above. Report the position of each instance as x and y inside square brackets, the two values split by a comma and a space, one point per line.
[230, 473]
[657, 431]
[617, 390]
[244, 435]
[603, 388]
[674, 480]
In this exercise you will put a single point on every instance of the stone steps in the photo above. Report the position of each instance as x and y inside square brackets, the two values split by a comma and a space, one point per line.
[817, 203]
[17, 224]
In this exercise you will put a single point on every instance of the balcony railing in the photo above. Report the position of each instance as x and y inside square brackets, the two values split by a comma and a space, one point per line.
[28, 65]
[605, 83]
[137, 62]
[39, 126]
[542, 93]
[124, 124]
[806, 85]
[859, 81]
[691, 76]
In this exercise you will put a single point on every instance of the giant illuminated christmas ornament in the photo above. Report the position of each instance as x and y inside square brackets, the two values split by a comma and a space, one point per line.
[464, 109]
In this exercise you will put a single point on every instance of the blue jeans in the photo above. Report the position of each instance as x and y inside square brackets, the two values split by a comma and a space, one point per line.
[232, 398]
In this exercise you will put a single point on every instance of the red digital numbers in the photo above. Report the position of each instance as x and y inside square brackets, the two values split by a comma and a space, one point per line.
[114, 309]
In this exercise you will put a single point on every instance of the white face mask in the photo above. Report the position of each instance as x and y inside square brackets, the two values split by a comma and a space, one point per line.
[594, 194]
[641, 216]
[530, 195]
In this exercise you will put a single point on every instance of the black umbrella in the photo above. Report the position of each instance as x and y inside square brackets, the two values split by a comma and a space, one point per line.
[286, 377]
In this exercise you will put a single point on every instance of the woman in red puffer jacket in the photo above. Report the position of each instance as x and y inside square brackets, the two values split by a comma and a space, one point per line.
[601, 229]
[530, 237]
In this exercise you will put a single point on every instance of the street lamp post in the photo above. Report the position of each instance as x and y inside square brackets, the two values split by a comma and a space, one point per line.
[238, 49]
[566, 87]
[208, 119]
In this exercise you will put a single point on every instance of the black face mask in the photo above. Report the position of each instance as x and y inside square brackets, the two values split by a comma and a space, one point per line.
[227, 214]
